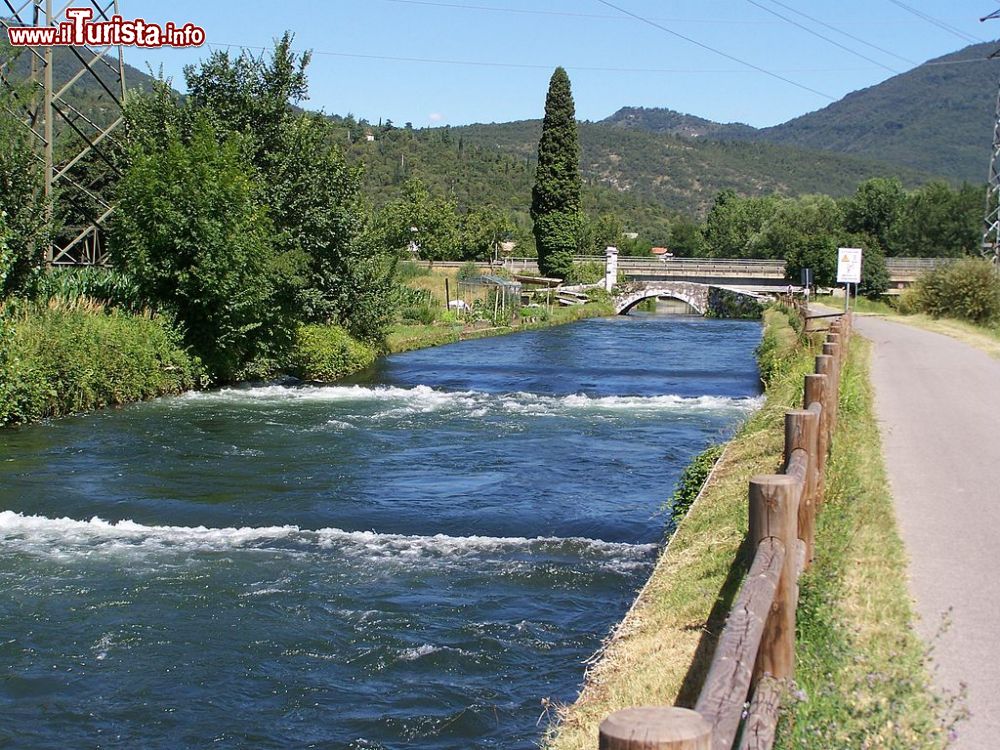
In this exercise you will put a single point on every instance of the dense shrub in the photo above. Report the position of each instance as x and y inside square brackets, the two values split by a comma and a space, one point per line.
[23, 207]
[779, 339]
[327, 353]
[65, 358]
[968, 289]
[424, 313]
[588, 272]
[196, 241]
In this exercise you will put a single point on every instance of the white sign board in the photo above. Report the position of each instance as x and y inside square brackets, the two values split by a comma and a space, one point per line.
[848, 265]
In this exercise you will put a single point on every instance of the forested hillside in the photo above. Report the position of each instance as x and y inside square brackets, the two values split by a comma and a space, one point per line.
[644, 177]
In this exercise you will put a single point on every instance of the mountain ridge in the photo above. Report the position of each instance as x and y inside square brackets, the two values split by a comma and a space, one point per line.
[935, 118]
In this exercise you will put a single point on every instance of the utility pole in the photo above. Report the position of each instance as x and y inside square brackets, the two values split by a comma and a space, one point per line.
[991, 228]
[67, 139]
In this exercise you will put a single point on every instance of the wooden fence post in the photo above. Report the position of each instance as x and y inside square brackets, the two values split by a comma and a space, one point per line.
[824, 366]
[815, 391]
[655, 728]
[833, 391]
[774, 513]
[801, 429]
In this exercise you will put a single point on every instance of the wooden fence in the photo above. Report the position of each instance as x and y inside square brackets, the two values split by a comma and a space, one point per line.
[755, 655]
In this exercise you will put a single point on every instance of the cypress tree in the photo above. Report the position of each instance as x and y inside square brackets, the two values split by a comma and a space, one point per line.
[555, 198]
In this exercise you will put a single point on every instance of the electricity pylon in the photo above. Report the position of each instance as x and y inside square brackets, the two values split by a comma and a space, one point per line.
[991, 229]
[70, 142]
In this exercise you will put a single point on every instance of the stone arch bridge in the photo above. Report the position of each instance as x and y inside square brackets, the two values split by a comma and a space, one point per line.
[704, 298]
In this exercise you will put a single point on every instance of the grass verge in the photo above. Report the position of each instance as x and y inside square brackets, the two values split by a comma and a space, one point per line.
[861, 675]
[984, 338]
[858, 304]
[661, 651]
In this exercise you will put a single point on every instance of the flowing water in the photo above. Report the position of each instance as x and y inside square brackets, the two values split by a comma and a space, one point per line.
[413, 559]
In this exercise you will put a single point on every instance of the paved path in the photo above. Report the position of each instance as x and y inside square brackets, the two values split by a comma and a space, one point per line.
[938, 405]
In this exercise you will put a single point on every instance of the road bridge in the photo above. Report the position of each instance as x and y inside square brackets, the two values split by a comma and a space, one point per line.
[752, 274]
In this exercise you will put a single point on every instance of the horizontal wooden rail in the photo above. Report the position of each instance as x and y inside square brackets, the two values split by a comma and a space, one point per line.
[810, 316]
[755, 654]
[728, 680]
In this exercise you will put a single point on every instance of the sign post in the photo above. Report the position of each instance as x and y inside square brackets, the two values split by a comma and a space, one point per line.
[848, 271]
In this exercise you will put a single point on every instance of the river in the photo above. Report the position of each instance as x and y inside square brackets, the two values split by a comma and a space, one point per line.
[414, 558]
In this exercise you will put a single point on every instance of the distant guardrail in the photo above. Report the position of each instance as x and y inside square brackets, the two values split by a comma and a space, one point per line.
[901, 270]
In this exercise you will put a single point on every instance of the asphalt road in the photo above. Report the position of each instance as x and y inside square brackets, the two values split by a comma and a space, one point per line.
[938, 405]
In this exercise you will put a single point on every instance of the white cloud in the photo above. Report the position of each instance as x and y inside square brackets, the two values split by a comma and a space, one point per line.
[435, 117]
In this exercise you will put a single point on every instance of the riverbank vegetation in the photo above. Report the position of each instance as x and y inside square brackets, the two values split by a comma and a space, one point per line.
[247, 241]
[850, 685]
[62, 358]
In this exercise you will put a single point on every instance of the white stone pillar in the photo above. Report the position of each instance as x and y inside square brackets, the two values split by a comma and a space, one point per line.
[610, 268]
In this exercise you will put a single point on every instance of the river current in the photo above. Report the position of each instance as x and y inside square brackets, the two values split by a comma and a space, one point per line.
[414, 558]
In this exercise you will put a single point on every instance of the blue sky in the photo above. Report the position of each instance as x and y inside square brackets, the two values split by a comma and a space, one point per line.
[502, 52]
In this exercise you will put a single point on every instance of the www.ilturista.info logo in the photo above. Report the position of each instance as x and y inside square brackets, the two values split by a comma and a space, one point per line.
[80, 29]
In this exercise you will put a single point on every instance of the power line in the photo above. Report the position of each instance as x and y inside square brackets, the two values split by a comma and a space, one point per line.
[538, 66]
[606, 16]
[821, 36]
[845, 33]
[940, 24]
[726, 55]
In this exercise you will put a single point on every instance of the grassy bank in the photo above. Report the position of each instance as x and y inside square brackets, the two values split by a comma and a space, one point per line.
[860, 675]
[406, 337]
[64, 358]
[858, 304]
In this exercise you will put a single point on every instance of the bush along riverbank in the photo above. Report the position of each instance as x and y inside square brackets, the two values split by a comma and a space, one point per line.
[850, 692]
[68, 357]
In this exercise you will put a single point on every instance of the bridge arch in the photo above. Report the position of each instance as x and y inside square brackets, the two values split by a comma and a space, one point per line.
[626, 302]
[701, 297]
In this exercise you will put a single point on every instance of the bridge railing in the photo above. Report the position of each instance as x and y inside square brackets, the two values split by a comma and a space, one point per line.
[900, 269]
[755, 654]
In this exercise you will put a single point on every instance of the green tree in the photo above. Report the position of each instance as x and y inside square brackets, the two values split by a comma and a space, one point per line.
[195, 239]
[818, 253]
[333, 268]
[596, 234]
[424, 219]
[877, 208]
[940, 221]
[804, 233]
[555, 198]
[484, 228]
[686, 238]
[874, 274]
[22, 204]
[733, 223]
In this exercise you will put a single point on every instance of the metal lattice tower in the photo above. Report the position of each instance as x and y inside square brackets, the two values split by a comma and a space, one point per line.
[991, 228]
[74, 147]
